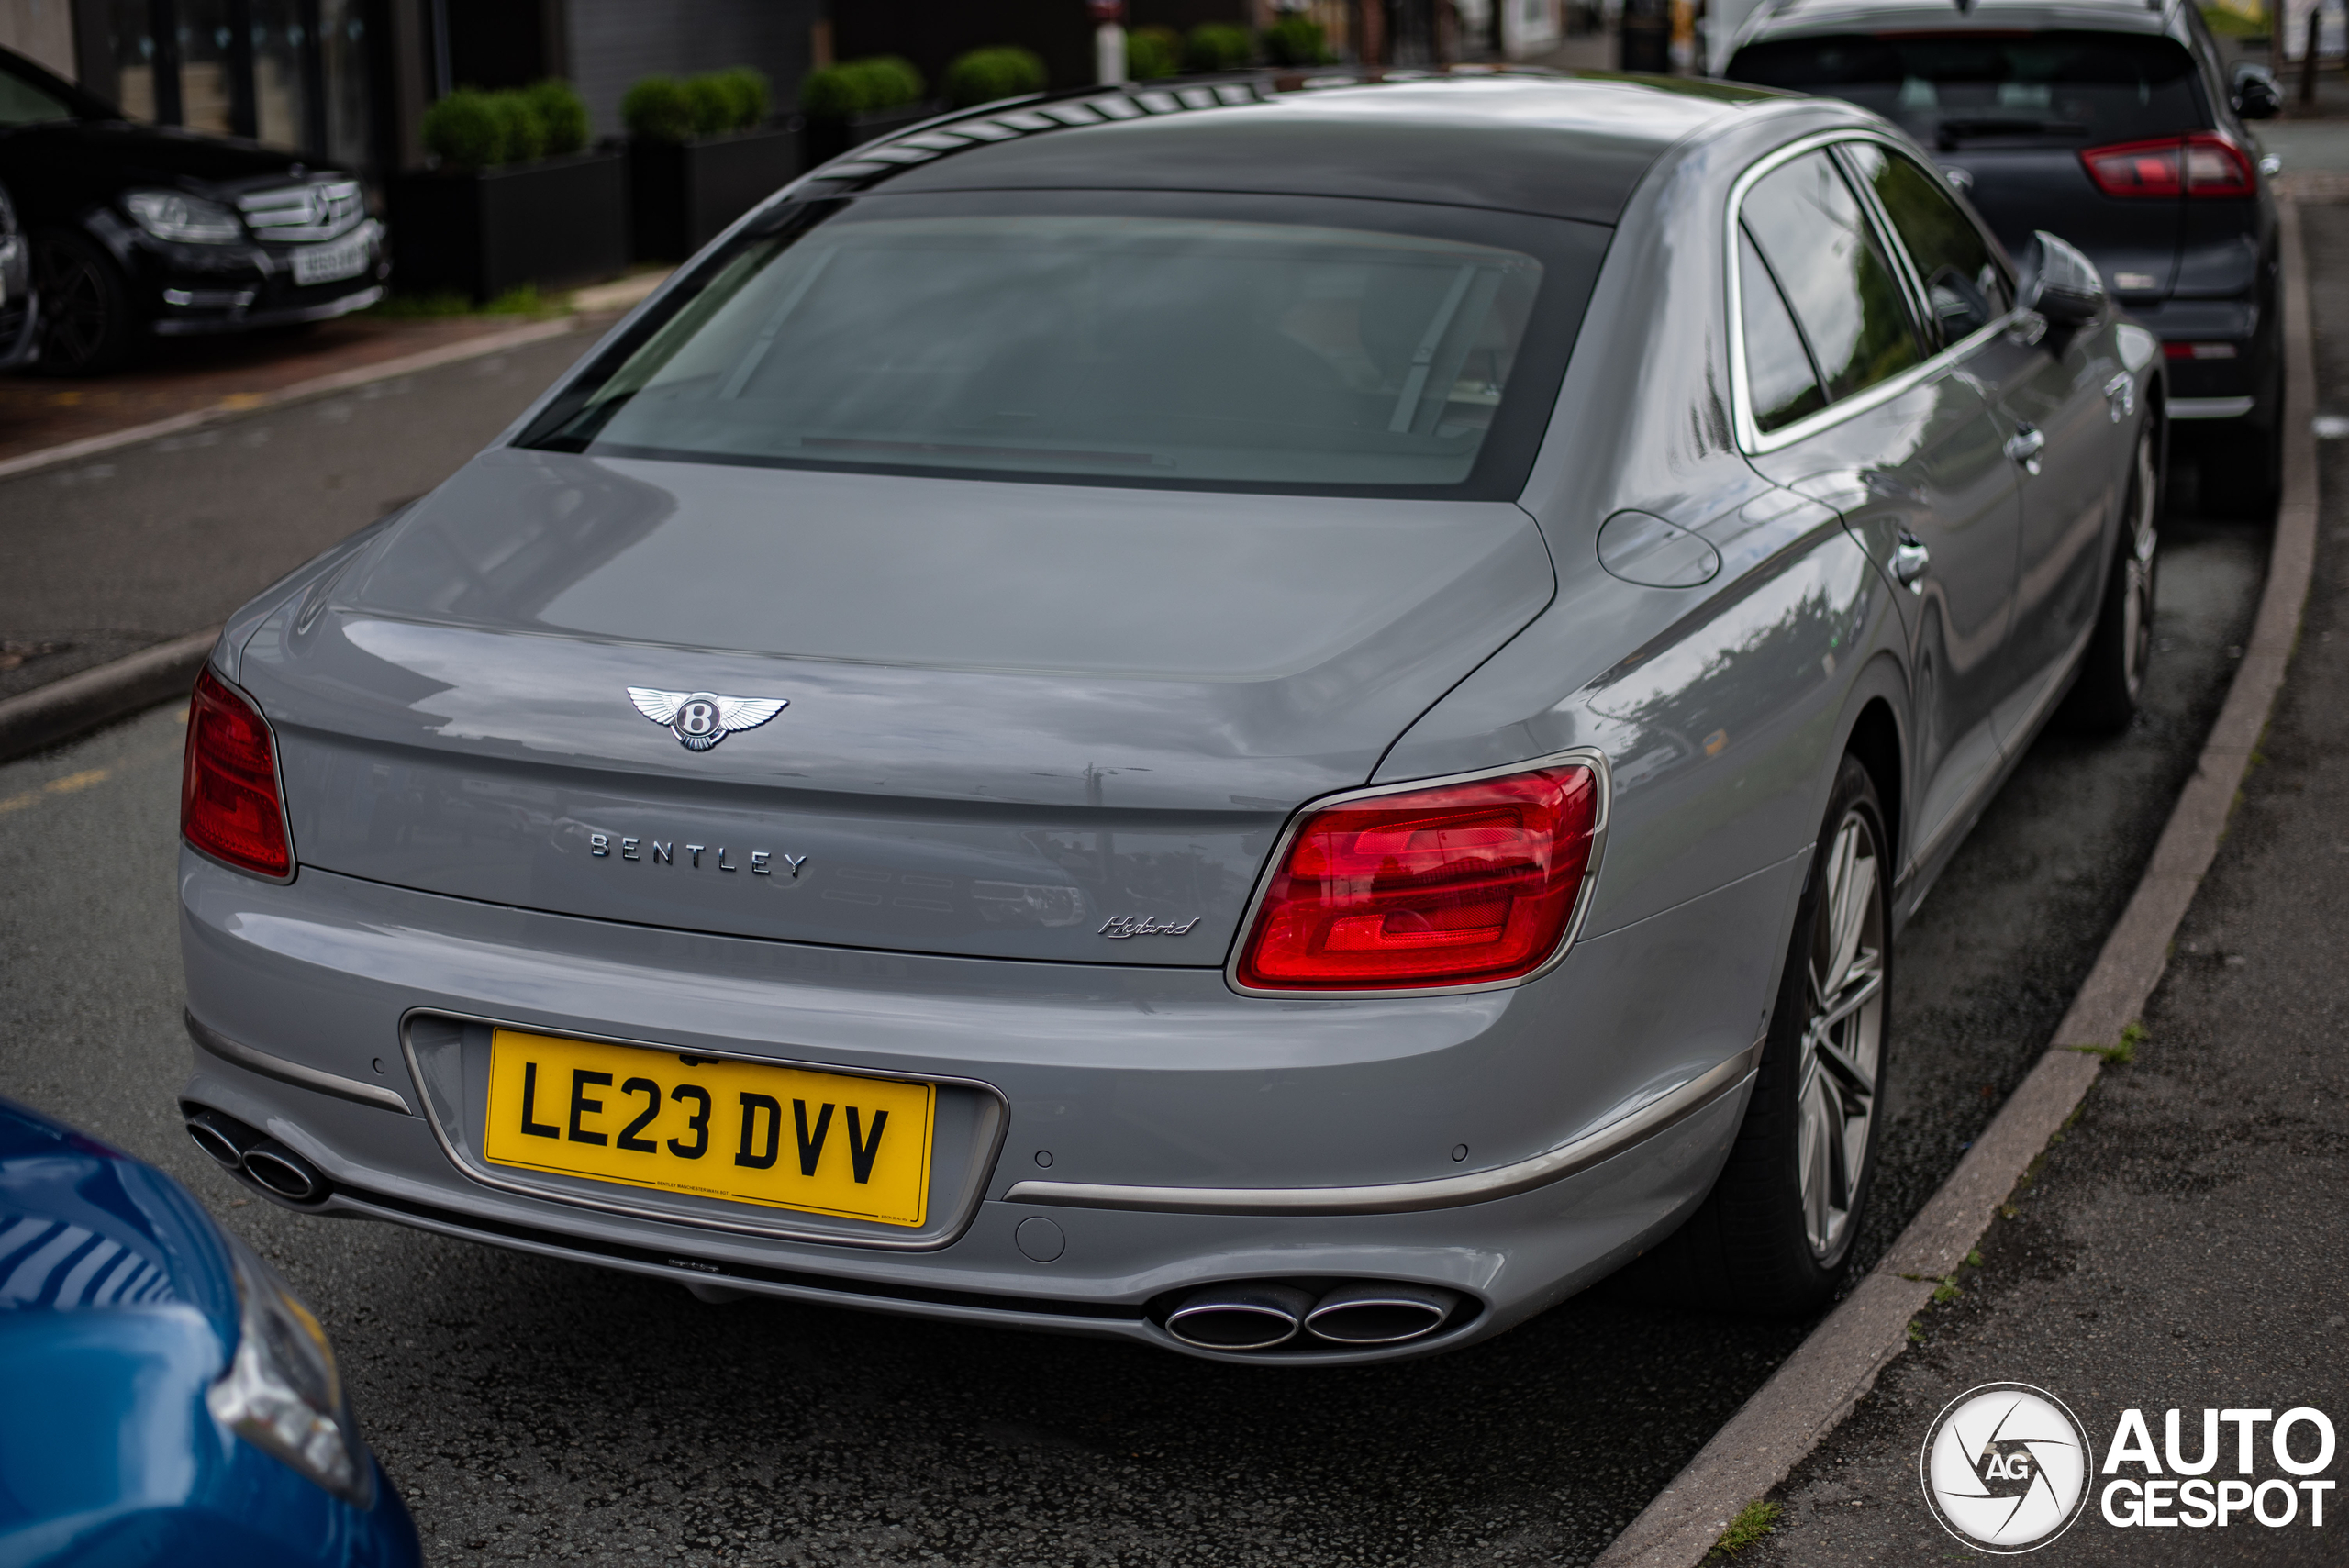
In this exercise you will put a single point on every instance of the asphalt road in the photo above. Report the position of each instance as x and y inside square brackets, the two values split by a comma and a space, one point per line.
[540, 1412]
[2184, 1246]
[153, 542]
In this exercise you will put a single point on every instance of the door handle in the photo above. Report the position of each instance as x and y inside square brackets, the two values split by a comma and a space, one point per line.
[1909, 559]
[2024, 447]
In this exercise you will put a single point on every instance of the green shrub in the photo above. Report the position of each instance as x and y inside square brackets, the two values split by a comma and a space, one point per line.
[1219, 46]
[523, 133]
[561, 112]
[985, 74]
[748, 93]
[656, 109]
[462, 130]
[662, 108]
[710, 105]
[1297, 40]
[857, 86]
[1152, 53]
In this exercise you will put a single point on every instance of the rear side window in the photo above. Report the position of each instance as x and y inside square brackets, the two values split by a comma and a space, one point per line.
[1961, 90]
[1779, 376]
[1964, 281]
[1809, 225]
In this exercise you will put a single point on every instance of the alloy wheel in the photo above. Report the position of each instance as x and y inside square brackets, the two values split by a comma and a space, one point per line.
[73, 303]
[2137, 594]
[1842, 1042]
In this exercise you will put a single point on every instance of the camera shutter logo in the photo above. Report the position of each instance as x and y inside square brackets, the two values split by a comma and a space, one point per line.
[2006, 1467]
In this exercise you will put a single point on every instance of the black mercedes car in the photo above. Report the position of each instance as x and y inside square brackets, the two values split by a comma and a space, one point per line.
[140, 229]
[2113, 123]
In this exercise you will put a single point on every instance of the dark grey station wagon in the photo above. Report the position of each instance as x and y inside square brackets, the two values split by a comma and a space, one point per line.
[1281, 724]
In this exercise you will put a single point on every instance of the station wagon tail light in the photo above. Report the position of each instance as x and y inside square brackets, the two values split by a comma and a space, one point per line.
[231, 805]
[1454, 885]
[2202, 164]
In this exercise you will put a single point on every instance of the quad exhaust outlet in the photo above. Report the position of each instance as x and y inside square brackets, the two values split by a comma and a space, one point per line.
[1260, 1315]
[255, 1156]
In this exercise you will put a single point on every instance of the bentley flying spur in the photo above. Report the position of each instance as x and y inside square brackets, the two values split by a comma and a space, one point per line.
[1287, 724]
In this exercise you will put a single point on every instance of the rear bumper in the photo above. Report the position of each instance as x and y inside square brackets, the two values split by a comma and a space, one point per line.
[1130, 1081]
[2231, 373]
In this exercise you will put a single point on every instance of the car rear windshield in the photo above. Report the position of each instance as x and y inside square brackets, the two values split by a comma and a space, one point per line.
[1953, 90]
[1243, 342]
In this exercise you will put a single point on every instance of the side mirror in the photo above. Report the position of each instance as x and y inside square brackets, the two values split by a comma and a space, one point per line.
[2062, 285]
[2255, 94]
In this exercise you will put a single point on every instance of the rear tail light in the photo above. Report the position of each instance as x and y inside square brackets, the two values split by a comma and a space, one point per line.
[2198, 350]
[1450, 885]
[2204, 163]
[231, 805]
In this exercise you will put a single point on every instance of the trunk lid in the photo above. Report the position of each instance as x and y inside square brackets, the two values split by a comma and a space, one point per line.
[1024, 721]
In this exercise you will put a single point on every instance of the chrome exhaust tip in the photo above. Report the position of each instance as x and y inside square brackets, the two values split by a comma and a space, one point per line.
[285, 1173]
[1244, 1316]
[1381, 1313]
[218, 1137]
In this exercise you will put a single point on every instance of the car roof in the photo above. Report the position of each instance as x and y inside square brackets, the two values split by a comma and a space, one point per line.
[1788, 18]
[1559, 145]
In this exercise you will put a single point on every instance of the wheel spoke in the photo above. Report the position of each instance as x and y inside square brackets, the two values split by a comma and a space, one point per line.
[1855, 1079]
[1835, 1092]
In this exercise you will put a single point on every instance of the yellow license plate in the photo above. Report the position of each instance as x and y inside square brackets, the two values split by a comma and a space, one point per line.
[784, 1137]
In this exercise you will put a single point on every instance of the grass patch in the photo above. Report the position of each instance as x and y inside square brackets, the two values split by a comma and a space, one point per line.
[522, 300]
[2233, 24]
[2120, 1055]
[1754, 1521]
[1916, 1333]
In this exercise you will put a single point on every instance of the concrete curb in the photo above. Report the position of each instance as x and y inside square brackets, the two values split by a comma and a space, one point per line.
[1818, 1385]
[252, 403]
[64, 708]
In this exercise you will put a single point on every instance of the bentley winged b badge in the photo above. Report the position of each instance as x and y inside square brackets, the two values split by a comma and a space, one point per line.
[701, 719]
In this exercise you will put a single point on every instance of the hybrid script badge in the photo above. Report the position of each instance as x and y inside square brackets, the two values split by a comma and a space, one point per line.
[2006, 1467]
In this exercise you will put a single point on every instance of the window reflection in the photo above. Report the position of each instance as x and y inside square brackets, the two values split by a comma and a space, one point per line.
[1779, 375]
[206, 101]
[1809, 228]
[1964, 281]
[279, 111]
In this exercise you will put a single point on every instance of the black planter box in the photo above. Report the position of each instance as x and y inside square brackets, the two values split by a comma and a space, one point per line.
[827, 139]
[681, 196]
[555, 223]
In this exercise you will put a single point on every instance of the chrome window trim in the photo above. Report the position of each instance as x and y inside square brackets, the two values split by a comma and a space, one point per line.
[1751, 438]
[1575, 1155]
[1589, 757]
[966, 1203]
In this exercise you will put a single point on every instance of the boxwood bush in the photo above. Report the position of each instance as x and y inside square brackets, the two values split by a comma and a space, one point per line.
[1297, 40]
[1154, 52]
[985, 74]
[860, 86]
[1219, 46]
[562, 115]
[472, 129]
[663, 108]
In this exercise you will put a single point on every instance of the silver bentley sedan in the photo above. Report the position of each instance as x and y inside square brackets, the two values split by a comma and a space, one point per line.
[1285, 724]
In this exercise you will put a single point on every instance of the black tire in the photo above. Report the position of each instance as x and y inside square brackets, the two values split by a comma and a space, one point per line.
[2111, 679]
[1751, 1247]
[87, 325]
